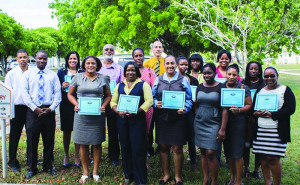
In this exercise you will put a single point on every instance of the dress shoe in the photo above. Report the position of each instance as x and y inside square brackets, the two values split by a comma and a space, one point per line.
[127, 181]
[51, 171]
[14, 166]
[256, 175]
[115, 163]
[194, 168]
[179, 183]
[161, 182]
[30, 174]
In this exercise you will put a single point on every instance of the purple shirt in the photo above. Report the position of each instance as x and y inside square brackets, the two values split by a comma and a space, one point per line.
[115, 71]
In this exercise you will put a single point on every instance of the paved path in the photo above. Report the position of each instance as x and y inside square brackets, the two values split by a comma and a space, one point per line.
[287, 71]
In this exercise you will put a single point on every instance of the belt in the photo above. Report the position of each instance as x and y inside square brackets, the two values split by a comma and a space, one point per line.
[44, 106]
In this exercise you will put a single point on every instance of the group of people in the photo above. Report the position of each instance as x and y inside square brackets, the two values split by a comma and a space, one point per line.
[202, 122]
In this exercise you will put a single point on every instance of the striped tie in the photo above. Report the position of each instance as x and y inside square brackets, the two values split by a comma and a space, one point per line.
[41, 92]
[156, 70]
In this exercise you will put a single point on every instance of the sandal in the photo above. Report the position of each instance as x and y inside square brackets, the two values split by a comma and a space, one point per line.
[96, 178]
[83, 179]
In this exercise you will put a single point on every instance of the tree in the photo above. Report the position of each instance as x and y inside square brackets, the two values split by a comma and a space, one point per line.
[12, 38]
[89, 25]
[248, 28]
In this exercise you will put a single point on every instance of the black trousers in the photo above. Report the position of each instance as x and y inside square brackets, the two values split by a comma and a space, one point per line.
[46, 127]
[113, 137]
[16, 127]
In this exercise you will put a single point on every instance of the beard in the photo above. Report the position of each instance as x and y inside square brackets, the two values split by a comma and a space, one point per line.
[108, 57]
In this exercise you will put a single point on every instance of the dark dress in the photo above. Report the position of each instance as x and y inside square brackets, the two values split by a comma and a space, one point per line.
[235, 131]
[66, 109]
[208, 116]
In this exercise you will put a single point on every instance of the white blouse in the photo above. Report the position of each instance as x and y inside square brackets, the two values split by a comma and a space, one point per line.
[269, 122]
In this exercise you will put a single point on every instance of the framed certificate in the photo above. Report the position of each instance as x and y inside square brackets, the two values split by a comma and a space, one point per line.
[221, 80]
[128, 103]
[193, 89]
[173, 99]
[112, 85]
[266, 102]
[68, 78]
[232, 97]
[252, 93]
[89, 106]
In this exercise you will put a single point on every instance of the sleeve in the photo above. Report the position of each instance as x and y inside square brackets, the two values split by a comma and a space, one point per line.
[57, 93]
[8, 80]
[25, 91]
[146, 64]
[188, 94]
[289, 105]
[154, 92]
[115, 97]
[152, 77]
[247, 91]
[106, 81]
[61, 75]
[121, 74]
[74, 80]
[147, 97]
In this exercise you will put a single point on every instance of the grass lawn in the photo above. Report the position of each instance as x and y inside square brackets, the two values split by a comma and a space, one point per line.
[111, 175]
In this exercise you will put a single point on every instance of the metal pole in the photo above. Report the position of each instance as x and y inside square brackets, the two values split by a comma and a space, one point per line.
[4, 160]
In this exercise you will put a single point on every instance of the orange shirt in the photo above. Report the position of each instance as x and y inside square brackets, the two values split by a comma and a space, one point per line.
[152, 62]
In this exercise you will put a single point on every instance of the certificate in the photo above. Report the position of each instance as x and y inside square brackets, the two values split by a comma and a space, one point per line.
[128, 103]
[68, 78]
[193, 89]
[232, 97]
[173, 99]
[252, 93]
[112, 85]
[266, 102]
[221, 80]
[89, 106]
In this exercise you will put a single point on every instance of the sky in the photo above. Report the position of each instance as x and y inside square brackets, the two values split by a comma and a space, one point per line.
[29, 13]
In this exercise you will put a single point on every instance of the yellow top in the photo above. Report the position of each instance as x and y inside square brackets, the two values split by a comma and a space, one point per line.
[147, 94]
[152, 62]
[200, 77]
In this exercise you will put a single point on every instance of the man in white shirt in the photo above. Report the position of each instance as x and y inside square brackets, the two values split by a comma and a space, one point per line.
[41, 94]
[13, 80]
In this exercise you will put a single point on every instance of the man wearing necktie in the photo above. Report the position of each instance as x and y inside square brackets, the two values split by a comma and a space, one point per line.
[157, 61]
[41, 94]
[157, 64]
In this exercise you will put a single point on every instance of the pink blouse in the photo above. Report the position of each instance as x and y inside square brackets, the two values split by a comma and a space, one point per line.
[221, 76]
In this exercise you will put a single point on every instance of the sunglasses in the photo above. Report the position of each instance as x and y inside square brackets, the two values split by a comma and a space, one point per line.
[109, 49]
[270, 76]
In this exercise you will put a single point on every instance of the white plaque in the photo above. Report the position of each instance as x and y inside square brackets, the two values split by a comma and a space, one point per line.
[7, 108]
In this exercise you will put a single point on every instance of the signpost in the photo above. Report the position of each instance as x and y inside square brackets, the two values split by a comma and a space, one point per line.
[7, 111]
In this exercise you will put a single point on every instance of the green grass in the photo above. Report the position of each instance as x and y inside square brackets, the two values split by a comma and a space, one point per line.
[111, 175]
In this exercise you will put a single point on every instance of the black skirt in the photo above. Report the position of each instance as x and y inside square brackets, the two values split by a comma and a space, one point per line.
[66, 110]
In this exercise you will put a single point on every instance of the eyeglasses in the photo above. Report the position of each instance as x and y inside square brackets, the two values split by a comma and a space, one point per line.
[270, 76]
[109, 49]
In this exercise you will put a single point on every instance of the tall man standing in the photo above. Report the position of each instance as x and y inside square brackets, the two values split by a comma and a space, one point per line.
[41, 94]
[157, 64]
[115, 72]
[13, 80]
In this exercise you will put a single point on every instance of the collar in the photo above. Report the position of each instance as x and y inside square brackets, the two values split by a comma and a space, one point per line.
[113, 65]
[37, 70]
[165, 77]
[135, 82]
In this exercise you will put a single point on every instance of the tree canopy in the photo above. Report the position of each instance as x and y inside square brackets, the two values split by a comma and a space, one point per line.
[89, 25]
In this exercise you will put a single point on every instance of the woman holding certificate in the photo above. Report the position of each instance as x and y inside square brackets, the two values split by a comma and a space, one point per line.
[210, 123]
[172, 99]
[66, 109]
[254, 80]
[131, 100]
[274, 104]
[238, 97]
[89, 122]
